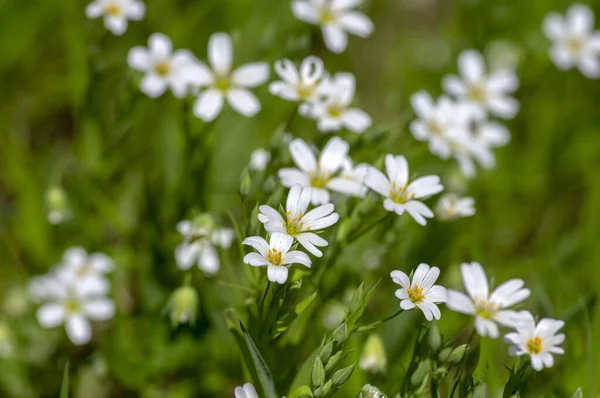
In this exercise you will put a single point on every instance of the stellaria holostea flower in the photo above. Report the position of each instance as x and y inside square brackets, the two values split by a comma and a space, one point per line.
[246, 391]
[116, 13]
[306, 84]
[452, 206]
[421, 292]
[259, 159]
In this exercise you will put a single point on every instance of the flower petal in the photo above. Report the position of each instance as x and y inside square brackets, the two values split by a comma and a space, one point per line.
[475, 281]
[79, 329]
[208, 105]
[50, 315]
[336, 40]
[333, 155]
[220, 53]
[460, 302]
[243, 101]
[357, 23]
[258, 243]
[99, 309]
[251, 75]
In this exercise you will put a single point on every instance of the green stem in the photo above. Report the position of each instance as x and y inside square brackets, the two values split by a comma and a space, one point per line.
[264, 297]
[462, 365]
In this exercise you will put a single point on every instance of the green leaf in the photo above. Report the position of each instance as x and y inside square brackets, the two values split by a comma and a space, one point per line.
[64, 389]
[264, 374]
[342, 375]
[357, 312]
[318, 373]
[458, 354]
[285, 321]
[333, 360]
[340, 334]
[301, 391]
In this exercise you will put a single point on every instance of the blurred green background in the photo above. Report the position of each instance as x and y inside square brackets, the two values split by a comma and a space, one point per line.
[71, 115]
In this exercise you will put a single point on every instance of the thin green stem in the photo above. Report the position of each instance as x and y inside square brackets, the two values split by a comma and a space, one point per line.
[462, 365]
[264, 297]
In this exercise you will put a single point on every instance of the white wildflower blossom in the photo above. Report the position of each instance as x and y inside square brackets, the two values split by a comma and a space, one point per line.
[116, 13]
[200, 245]
[164, 68]
[452, 206]
[575, 43]
[259, 159]
[334, 111]
[539, 341]
[322, 175]
[421, 292]
[481, 93]
[275, 255]
[222, 83]
[489, 309]
[246, 391]
[336, 18]
[298, 223]
[400, 195]
[306, 84]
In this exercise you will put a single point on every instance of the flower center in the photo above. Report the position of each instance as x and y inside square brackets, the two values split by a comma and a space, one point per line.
[415, 294]
[574, 45]
[435, 127]
[335, 111]
[222, 83]
[326, 15]
[305, 91]
[400, 194]
[534, 345]
[72, 305]
[162, 68]
[274, 257]
[477, 93]
[319, 179]
[83, 271]
[293, 225]
[486, 309]
[112, 9]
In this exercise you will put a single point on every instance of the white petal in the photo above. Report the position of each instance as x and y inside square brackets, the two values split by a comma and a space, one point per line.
[377, 181]
[400, 278]
[117, 25]
[357, 23]
[345, 4]
[99, 309]
[289, 177]
[460, 302]
[160, 46]
[280, 242]
[208, 260]
[94, 10]
[251, 75]
[536, 362]
[101, 262]
[208, 105]
[186, 255]
[429, 278]
[319, 196]
[277, 274]
[561, 57]
[546, 327]
[471, 65]
[310, 242]
[243, 101]
[422, 104]
[311, 69]
[75, 255]
[333, 154]
[475, 281]
[503, 107]
[305, 11]
[589, 65]
[335, 38]
[419, 211]
[223, 237]
[407, 304]
[258, 243]
[510, 293]
[580, 19]
[427, 311]
[296, 257]
[255, 260]
[356, 120]
[503, 81]
[153, 86]
[425, 186]
[50, 315]
[553, 26]
[286, 71]
[302, 155]
[298, 200]
[79, 329]
[397, 169]
[220, 53]
[320, 218]
[136, 11]
[453, 85]
[250, 391]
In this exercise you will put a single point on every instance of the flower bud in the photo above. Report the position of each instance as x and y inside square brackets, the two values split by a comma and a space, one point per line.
[203, 224]
[369, 391]
[183, 306]
[57, 205]
[245, 182]
[434, 338]
[373, 356]
[458, 353]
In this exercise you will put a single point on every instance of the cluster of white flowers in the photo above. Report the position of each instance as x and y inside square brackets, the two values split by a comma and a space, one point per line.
[575, 43]
[457, 125]
[75, 292]
[489, 309]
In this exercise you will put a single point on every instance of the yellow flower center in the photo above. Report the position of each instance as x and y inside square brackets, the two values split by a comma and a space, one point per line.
[477, 93]
[435, 128]
[223, 83]
[319, 179]
[335, 110]
[72, 306]
[112, 9]
[83, 271]
[305, 91]
[486, 309]
[400, 194]
[415, 294]
[293, 225]
[575, 45]
[534, 345]
[326, 15]
[162, 68]
[274, 257]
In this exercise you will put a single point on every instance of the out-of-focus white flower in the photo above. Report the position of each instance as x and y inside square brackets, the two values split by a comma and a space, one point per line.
[438, 122]
[322, 175]
[539, 341]
[373, 356]
[356, 174]
[334, 314]
[488, 309]
[58, 205]
[452, 206]
[481, 93]
[298, 223]
[116, 13]
[334, 112]
[421, 292]
[246, 391]
[259, 159]
[164, 68]
[575, 43]
[201, 239]
[275, 255]
[75, 306]
[183, 305]
[307, 84]
[400, 196]
[336, 18]
[79, 268]
[222, 83]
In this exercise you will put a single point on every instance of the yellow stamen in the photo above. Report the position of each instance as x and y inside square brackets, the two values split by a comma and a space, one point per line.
[319, 179]
[162, 68]
[293, 225]
[486, 309]
[305, 91]
[335, 110]
[477, 93]
[435, 128]
[71, 306]
[112, 9]
[326, 15]
[400, 194]
[274, 257]
[415, 294]
[575, 45]
[534, 345]
[222, 83]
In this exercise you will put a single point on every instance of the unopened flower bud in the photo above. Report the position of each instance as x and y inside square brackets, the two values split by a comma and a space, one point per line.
[183, 306]
[245, 182]
[57, 205]
[369, 391]
[373, 356]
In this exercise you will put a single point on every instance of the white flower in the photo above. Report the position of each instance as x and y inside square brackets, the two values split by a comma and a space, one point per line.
[199, 246]
[116, 13]
[304, 85]
[247, 391]
[298, 223]
[487, 308]
[452, 206]
[224, 84]
[323, 175]
[421, 292]
[335, 17]
[163, 68]
[75, 306]
[356, 174]
[438, 122]
[259, 159]
[574, 42]
[275, 255]
[334, 112]
[539, 341]
[481, 93]
[399, 195]
[79, 268]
